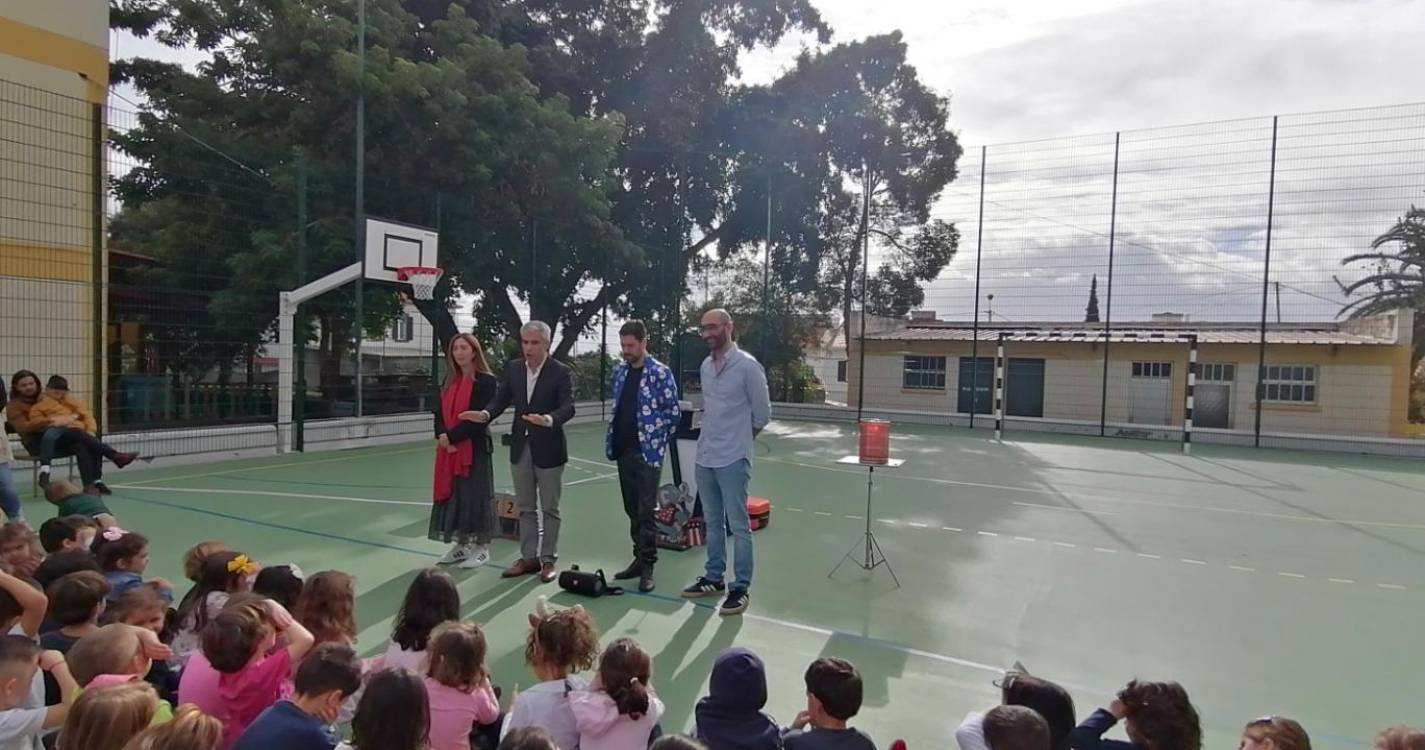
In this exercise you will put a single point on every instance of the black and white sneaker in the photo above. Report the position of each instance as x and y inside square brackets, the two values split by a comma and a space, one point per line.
[703, 588]
[457, 554]
[735, 603]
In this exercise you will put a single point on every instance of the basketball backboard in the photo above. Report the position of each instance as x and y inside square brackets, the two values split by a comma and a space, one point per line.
[391, 245]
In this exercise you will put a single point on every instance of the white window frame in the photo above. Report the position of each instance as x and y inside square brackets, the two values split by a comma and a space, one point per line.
[1217, 372]
[403, 329]
[1152, 370]
[1292, 379]
[926, 370]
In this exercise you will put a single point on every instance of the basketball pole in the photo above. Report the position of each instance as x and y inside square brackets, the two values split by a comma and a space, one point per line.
[287, 303]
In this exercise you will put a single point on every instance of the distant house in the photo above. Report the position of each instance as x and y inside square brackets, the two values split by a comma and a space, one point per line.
[1349, 378]
[825, 353]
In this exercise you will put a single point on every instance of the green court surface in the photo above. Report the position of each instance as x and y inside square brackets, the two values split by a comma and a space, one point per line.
[1266, 582]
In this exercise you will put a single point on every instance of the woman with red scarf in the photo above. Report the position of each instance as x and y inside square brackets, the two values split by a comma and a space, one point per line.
[464, 510]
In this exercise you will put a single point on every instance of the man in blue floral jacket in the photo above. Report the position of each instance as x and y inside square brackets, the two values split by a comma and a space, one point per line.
[644, 416]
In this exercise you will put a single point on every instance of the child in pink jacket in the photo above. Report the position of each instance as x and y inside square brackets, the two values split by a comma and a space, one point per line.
[619, 710]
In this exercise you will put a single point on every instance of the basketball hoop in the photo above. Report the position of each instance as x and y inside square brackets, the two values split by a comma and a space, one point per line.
[421, 278]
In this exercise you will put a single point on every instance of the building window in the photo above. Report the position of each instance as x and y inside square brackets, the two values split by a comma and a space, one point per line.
[1152, 369]
[404, 329]
[924, 373]
[1290, 384]
[1217, 372]
[841, 371]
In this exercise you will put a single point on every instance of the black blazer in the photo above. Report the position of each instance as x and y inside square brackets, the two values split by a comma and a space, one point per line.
[553, 395]
[480, 397]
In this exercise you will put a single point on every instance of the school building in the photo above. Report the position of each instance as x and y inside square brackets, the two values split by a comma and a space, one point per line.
[1347, 379]
[54, 74]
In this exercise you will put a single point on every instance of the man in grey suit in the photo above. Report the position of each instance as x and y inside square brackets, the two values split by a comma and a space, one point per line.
[542, 391]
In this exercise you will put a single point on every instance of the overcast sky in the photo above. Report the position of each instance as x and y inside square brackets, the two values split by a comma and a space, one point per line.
[1024, 69]
[1191, 220]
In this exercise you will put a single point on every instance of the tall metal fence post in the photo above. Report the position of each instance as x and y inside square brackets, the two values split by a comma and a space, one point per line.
[1266, 286]
[99, 389]
[1108, 307]
[298, 342]
[433, 388]
[975, 324]
[865, 280]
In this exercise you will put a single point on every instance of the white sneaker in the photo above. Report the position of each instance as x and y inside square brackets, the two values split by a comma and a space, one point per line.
[458, 553]
[478, 555]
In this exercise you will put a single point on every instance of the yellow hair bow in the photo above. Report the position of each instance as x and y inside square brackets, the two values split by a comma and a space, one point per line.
[241, 564]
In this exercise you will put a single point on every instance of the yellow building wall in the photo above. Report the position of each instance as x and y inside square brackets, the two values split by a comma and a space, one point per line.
[53, 84]
[1362, 391]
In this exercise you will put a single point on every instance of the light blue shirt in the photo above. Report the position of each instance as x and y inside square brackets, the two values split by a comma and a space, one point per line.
[735, 405]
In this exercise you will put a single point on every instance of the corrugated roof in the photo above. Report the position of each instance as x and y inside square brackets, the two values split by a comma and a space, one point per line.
[1320, 335]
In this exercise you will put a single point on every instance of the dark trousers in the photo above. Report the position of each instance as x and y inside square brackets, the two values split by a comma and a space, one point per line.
[88, 451]
[639, 484]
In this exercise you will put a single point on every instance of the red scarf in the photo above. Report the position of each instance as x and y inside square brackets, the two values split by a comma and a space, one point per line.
[448, 466]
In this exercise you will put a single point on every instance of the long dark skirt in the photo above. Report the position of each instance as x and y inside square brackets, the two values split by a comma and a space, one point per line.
[469, 515]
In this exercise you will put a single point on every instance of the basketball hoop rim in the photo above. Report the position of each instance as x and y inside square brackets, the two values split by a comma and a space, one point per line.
[406, 273]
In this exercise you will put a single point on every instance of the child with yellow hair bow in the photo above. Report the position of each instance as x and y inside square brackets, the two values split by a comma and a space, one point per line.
[220, 575]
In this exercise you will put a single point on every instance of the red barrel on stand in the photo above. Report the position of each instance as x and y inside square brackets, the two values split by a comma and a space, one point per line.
[875, 441]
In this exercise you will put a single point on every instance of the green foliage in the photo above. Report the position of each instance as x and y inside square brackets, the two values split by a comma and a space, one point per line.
[1396, 279]
[573, 155]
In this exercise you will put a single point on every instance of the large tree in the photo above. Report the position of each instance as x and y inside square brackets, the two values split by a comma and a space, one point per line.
[456, 135]
[872, 133]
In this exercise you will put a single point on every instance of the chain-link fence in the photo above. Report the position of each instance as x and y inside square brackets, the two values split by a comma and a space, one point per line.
[1286, 250]
[143, 261]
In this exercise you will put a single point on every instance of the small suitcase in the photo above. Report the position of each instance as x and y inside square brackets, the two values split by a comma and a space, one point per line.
[759, 509]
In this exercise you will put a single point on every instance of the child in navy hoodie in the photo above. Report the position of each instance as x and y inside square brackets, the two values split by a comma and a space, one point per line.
[730, 717]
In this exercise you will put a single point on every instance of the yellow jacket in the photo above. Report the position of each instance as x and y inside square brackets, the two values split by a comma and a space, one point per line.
[48, 408]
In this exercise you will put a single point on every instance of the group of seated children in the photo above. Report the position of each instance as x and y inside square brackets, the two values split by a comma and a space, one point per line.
[262, 658]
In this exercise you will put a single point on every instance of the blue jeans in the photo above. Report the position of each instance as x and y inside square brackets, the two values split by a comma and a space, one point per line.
[49, 444]
[724, 495]
[9, 496]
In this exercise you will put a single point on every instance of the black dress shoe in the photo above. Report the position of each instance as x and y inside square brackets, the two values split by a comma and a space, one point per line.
[634, 570]
[645, 580]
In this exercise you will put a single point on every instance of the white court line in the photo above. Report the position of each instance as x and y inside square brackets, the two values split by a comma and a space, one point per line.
[823, 513]
[1104, 549]
[1066, 544]
[986, 533]
[825, 633]
[1150, 557]
[919, 525]
[950, 528]
[1106, 499]
[266, 493]
[1025, 539]
[586, 480]
[286, 464]
[1340, 580]
[1284, 574]
[855, 518]
[794, 510]
[1394, 586]
[1070, 510]
[1242, 568]
[1191, 561]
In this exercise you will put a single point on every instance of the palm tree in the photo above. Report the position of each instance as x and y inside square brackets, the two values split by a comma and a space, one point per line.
[1396, 279]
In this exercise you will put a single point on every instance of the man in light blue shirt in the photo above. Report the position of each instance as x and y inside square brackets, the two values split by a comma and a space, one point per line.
[735, 408]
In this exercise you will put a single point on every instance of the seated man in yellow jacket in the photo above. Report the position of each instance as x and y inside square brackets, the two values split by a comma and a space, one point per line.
[69, 424]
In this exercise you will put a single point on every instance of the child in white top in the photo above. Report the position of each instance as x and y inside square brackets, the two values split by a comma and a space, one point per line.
[559, 644]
